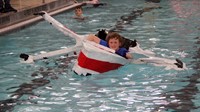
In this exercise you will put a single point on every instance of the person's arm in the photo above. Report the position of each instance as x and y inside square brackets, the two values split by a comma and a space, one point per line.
[93, 38]
[124, 53]
[129, 56]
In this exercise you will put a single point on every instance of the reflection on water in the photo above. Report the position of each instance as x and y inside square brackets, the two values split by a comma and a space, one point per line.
[185, 9]
[128, 19]
[42, 77]
[184, 99]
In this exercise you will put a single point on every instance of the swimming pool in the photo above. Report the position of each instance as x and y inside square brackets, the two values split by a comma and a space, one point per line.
[170, 29]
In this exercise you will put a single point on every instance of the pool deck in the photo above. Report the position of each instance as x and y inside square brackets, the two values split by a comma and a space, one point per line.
[13, 21]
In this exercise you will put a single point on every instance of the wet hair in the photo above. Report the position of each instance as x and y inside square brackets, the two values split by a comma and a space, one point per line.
[114, 35]
[78, 8]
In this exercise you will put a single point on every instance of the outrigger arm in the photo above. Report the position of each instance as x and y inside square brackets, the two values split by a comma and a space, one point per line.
[30, 59]
[168, 63]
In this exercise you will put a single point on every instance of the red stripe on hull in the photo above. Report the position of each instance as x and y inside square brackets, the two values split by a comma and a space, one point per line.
[96, 65]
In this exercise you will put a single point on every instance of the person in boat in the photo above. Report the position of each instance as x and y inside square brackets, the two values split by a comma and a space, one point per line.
[113, 41]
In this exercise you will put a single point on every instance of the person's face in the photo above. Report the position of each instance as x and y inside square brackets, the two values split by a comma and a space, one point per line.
[114, 43]
[78, 12]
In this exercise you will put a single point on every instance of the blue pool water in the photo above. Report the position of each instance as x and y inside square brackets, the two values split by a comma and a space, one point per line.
[170, 28]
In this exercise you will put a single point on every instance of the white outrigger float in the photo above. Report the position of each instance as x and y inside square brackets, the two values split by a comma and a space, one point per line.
[94, 58]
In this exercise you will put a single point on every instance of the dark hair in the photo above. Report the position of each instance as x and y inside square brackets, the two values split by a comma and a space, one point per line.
[115, 35]
[78, 8]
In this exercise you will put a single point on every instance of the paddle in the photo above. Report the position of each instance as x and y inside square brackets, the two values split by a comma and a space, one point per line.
[30, 59]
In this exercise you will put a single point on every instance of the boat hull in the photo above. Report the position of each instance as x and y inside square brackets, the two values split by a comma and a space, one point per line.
[94, 59]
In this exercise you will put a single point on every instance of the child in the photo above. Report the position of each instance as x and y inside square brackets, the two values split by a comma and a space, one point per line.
[113, 41]
[79, 13]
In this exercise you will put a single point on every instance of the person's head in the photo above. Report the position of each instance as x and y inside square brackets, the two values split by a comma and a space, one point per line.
[114, 40]
[78, 11]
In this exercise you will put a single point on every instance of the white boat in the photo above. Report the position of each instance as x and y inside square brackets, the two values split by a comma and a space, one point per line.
[96, 59]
